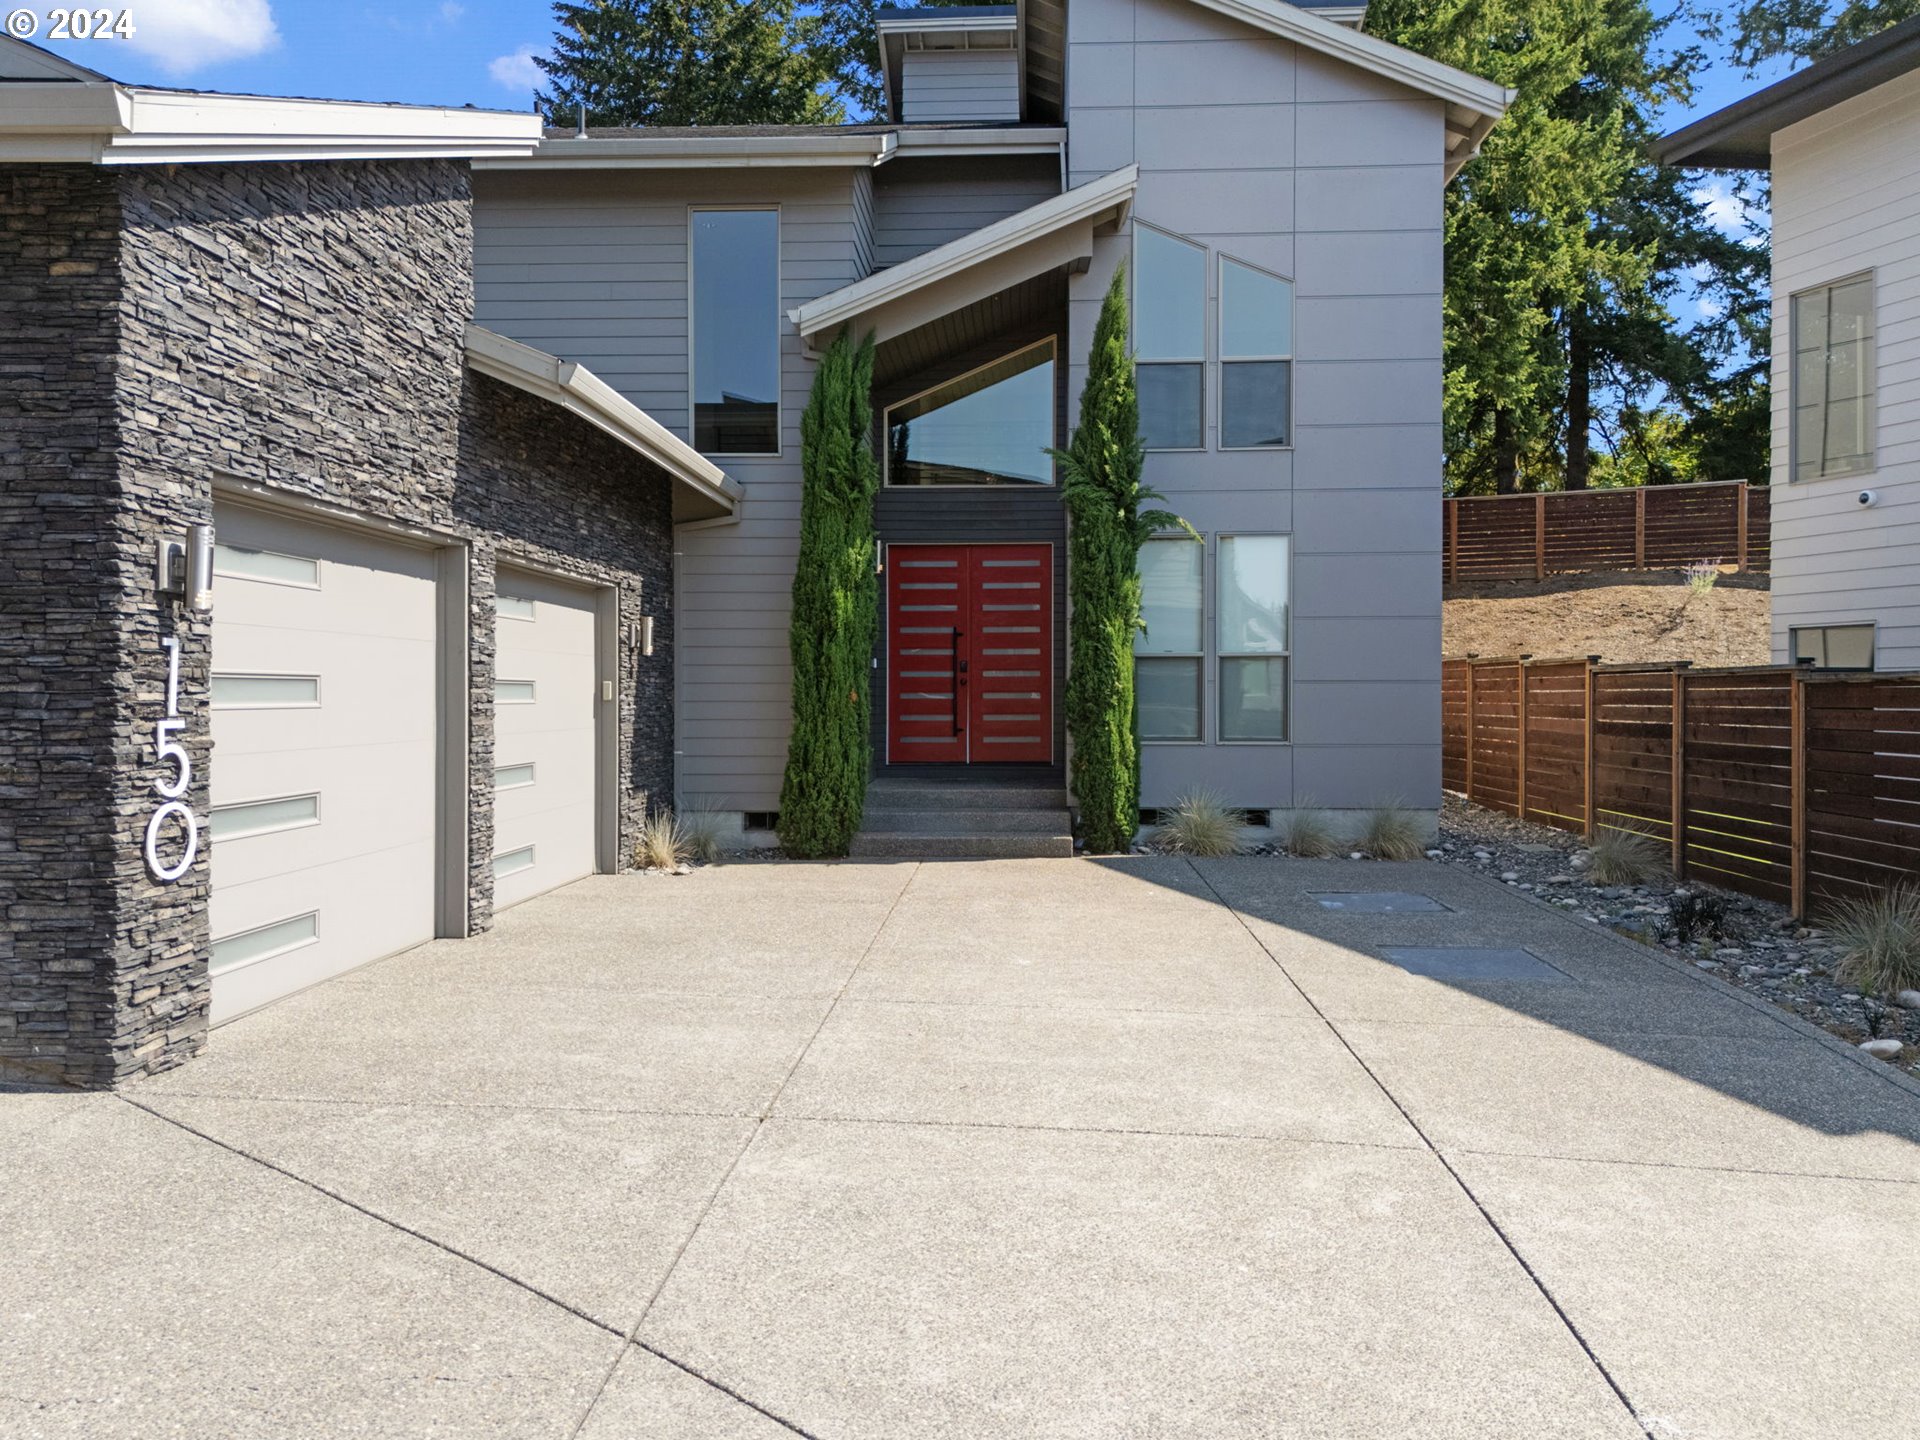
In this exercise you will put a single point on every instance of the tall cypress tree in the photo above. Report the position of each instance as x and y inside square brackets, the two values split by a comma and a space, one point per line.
[1102, 473]
[685, 62]
[836, 604]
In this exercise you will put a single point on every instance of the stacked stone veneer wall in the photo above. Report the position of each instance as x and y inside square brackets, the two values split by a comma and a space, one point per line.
[292, 328]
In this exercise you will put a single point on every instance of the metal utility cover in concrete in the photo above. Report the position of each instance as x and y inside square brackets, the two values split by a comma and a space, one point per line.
[1466, 962]
[1380, 902]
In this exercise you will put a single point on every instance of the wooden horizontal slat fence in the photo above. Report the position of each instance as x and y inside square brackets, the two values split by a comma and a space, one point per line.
[1518, 537]
[1792, 784]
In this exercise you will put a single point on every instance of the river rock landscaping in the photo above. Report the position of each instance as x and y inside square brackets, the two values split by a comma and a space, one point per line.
[1747, 942]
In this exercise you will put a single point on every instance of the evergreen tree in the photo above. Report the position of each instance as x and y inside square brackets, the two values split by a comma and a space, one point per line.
[1764, 30]
[1101, 470]
[836, 603]
[701, 62]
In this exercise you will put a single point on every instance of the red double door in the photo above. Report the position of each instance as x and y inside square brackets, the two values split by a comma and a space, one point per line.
[969, 653]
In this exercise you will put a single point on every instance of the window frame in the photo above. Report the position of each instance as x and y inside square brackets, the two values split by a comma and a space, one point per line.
[1199, 736]
[1869, 397]
[1220, 655]
[1052, 344]
[779, 335]
[1220, 388]
[1872, 627]
[1199, 362]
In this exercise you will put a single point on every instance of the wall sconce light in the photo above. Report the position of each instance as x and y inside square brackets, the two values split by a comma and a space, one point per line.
[183, 568]
[646, 634]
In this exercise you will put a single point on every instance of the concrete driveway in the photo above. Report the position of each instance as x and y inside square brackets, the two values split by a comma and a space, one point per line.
[1017, 1148]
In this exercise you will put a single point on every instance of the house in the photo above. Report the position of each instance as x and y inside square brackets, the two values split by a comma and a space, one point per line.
[399, 501]
[1272, 178]
[1840, 141]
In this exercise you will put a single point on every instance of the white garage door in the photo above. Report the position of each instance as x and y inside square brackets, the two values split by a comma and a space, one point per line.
[324, 754]
[543, 745]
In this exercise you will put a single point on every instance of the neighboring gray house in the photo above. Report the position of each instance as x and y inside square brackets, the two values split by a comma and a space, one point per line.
[1841, 140]
[1275, 178]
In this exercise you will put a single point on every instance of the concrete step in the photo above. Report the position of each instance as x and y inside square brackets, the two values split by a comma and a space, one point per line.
[940, 795]
[974, 822]
[870, 846]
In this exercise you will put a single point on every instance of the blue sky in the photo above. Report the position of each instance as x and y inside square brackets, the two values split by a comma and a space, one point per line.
[443, 52]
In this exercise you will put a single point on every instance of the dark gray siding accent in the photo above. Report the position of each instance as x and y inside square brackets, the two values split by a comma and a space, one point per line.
[997, 514]
[923, 203]
[863, 222]
[960, 85]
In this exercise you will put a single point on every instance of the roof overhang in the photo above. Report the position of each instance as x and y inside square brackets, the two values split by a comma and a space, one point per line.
[701, 489]
[1473, 105]
[916, 141]
[1056, 232]
[1740, 137]
[827, 147]
[86, 119]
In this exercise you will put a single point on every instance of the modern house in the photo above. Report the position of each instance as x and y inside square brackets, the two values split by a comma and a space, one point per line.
[397, 500]
[1841, 142]
[1273, 180]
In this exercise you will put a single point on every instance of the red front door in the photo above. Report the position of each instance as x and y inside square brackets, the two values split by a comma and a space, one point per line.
[969, 653]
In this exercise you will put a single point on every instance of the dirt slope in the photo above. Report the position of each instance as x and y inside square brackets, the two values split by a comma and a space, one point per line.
[1641, 616]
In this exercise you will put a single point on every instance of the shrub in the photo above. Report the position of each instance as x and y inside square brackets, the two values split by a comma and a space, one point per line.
[1623, 857]
[1200, 825]
[1102, 486]
[663, 843]
[1690, 914]
[1392, 833]
[1878, 936]
[700, 826]
[836, 606]
[1308, 834]
[1701, 576]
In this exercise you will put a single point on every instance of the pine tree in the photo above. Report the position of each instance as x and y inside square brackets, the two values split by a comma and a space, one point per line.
[835, 609]
[1101, 470]
[1764, 30]
[702, 62]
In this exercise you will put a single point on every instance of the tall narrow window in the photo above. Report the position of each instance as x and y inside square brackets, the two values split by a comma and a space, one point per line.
[1250, 615]
[736, 332]
[1170, 338]
[1832, 379]
[1256, 358]
[1170, 651]
[992, 426]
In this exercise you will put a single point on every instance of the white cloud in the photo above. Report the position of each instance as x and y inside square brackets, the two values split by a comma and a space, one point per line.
[187, 35]
[450, 13]
[517, 71]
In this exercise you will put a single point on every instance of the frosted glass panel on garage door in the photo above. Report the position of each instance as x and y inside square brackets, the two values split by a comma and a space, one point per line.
[323, 799]
[543, 747]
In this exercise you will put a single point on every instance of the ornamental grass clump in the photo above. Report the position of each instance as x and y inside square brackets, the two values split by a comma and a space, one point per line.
[663, 842]
[1392, 833]
[1623, 857]
[1701, 576]
[700, 827]
[1878, 937]
[1308, 834]
[1200, 825]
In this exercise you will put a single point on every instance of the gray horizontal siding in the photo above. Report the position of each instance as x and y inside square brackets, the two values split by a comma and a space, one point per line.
[921, 204]
[960, 85]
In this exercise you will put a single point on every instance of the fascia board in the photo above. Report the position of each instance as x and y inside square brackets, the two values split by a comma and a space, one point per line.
[1077, 206]
[688, 152]
[986, 140]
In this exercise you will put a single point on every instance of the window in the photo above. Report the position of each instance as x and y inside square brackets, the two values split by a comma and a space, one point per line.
[267, 565]
[259, 692]
[1256, 357]
[1832, 379]
[1170, 651]
[992, 426]
[1250, 619]
[1169, 337]
[1834, 647]
[736, 332]
[265, 942]
[263, 817]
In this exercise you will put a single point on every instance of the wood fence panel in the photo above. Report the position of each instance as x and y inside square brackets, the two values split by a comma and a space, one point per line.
[1738, 781]
[1453, 725]
[1496, 735]
[1556, 748]
[1494, 537]
[1863, 784]
[1633, 751]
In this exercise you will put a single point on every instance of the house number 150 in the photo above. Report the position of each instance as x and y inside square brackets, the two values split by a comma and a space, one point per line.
[170, 788]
